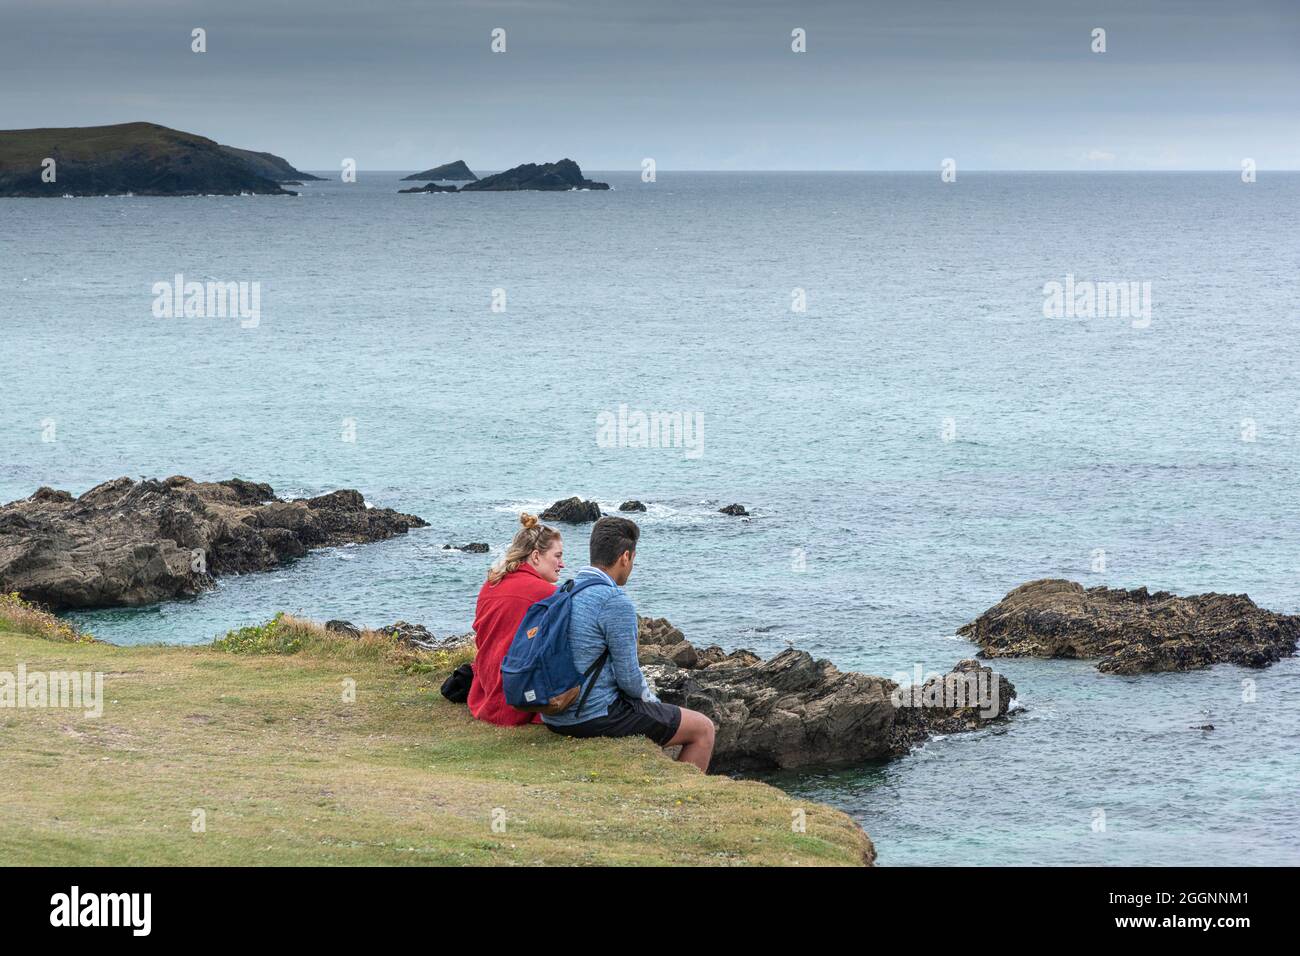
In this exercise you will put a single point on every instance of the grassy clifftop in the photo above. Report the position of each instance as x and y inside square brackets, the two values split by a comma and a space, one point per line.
[258, 733]
[144, 159]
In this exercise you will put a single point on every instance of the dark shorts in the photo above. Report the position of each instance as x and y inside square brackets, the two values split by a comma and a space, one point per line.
[629, 718]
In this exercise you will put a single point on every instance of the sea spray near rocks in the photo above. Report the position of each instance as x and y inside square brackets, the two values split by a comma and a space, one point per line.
[572, 511]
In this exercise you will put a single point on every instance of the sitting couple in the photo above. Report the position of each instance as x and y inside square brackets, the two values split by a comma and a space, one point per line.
[620, 702]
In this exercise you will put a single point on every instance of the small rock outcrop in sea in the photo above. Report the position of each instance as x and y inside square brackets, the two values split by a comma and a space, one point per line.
[573, 510]
[1132, 632]
[430, 188]
[793, 711]
[140, 159]
[130, 542]
[735, 510]
[631, 506]
[456, 172]
[551, 177]
[474, 547]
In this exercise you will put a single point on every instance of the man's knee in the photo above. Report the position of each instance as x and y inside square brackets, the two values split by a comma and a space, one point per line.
[696, 726]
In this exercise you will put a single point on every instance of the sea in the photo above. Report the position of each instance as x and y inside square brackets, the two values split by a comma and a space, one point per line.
[925, 393]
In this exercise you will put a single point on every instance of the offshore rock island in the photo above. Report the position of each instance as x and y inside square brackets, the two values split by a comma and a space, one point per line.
[562, 176]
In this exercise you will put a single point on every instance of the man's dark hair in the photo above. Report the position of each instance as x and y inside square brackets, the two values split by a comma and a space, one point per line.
[610, 537]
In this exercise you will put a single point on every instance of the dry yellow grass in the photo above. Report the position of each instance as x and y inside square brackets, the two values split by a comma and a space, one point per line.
[24, 618]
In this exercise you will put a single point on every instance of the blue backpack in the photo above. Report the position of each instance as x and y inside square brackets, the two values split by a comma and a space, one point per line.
[538, 673]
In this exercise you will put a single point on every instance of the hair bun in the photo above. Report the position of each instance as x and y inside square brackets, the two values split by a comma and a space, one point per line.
[527, 520]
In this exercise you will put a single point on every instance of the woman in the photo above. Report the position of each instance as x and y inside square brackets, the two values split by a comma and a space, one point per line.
[528, 573]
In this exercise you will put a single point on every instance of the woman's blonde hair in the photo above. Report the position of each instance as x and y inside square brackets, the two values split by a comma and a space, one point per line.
[533, 536]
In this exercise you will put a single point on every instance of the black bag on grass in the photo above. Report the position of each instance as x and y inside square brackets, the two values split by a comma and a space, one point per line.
[456, 687]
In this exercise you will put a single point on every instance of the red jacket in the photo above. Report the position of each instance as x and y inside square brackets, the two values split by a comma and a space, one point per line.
[501, 607]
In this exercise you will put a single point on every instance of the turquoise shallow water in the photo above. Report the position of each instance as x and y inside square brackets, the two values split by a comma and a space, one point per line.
[924, 305]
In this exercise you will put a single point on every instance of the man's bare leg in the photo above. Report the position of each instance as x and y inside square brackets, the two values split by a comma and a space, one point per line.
[695, 736]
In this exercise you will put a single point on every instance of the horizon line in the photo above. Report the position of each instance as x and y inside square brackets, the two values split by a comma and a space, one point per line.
[962, 172]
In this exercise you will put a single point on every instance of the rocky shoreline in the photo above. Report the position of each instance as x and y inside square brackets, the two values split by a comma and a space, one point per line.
[128, 542]
[1132, 632]
[792, 711]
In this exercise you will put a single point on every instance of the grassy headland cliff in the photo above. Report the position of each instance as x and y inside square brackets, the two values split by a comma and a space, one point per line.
[273, 167]
[257, 733]
[143, 159]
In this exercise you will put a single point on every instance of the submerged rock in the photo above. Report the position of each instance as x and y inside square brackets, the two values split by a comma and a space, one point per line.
[793, 711]
[1132, 632]
[572, 510]
[737, 511]
[474, 547]
[130, 542]
[551, 177]
[631, 506]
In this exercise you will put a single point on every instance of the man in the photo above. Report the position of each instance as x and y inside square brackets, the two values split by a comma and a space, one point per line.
[620, 702]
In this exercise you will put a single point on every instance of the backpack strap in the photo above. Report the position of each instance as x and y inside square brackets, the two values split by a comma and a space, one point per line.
[593, 672]
[598, 665]
[573, 585]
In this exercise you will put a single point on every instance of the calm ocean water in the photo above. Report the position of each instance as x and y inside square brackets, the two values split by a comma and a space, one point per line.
[916, 443]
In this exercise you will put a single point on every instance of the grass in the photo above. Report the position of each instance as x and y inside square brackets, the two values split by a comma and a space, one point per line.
[27, 147]
[287, 634]
[22, 617]
[257, 732]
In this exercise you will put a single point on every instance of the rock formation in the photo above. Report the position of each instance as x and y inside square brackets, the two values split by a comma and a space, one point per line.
[456, 172]
[130, 542]
[429, 188]
[572, 510]
[793, 711]
[1132, 632]
[474, 547]
[549, 176]
[401, 632]
[735, 510]
[631, 506]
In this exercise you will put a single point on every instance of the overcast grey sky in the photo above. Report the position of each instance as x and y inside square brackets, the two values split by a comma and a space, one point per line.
[404, 84]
